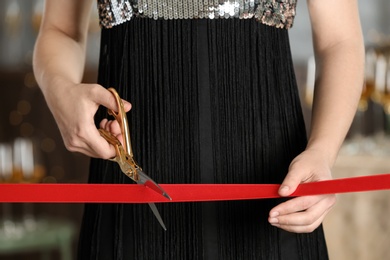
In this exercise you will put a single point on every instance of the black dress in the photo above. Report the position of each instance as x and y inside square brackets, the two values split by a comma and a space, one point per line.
[214, 101]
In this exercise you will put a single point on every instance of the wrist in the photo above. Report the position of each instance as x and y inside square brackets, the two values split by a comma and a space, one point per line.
[328, 150]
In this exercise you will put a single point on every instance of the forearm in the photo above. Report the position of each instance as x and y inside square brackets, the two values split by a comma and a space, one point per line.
[59, 53]
[339, 52]
[58, 59]
[339, 83]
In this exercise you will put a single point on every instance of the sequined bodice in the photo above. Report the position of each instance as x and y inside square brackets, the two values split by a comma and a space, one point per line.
[278, 13]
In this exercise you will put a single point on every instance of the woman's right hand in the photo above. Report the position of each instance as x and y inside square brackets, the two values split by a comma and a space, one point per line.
[74, 107]
[59, 61]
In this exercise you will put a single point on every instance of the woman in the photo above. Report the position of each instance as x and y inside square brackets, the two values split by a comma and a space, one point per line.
[214, 100]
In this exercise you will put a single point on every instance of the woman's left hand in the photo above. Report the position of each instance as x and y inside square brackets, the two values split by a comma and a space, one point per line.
[303, 214]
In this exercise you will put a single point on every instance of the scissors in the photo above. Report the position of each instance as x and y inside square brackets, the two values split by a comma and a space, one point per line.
[124, 155]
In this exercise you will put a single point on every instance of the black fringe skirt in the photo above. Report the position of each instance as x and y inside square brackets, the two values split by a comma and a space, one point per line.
[214, 101]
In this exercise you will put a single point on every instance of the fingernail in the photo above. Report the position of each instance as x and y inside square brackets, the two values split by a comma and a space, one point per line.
[273, 220]
[274, 214]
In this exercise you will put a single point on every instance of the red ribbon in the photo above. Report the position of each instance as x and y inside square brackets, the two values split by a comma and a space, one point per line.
[133, 193]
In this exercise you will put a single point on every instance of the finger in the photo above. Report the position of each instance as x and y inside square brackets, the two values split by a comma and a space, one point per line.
[111, 126]
[99, 146]
[295, 205]
[306, 220]
[103, 123]
[91, 143]
[114, 128]
[104, 97]
[291, 182]
[306, 216]
[126, 105]
[302, 228]
[300, 204]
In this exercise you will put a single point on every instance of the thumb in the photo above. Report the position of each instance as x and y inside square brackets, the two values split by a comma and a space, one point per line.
[104, 97]
[290, 183]
[127, 105]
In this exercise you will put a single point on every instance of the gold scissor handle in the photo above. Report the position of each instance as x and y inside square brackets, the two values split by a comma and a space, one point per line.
[121, 117]
[126, 162]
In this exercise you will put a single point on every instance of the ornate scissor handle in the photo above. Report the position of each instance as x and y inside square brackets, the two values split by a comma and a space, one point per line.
[121, 117]
[125, 161]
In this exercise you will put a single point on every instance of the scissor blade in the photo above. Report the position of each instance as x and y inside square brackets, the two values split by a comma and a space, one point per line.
[148, 182]
[157, 188]
[157, 215]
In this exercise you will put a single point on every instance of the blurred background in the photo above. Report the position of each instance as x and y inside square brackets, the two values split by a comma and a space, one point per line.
[357, 228]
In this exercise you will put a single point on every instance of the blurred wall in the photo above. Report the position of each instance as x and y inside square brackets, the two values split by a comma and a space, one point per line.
[375, 26]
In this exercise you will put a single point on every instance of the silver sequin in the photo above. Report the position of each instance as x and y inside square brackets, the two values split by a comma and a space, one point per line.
[278, 13]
